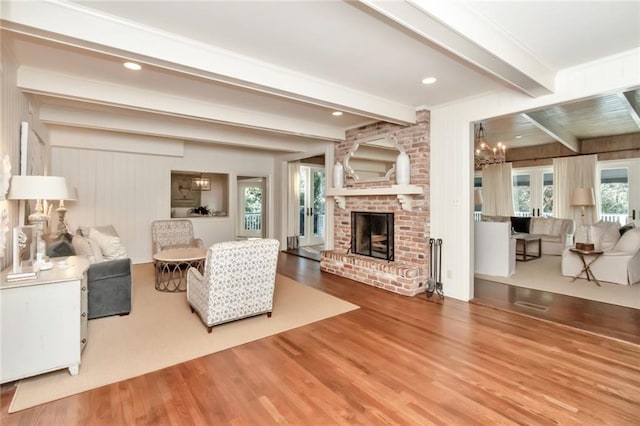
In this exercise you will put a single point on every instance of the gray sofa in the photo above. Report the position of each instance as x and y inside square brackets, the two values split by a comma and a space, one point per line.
[108, 280]
[109, 288]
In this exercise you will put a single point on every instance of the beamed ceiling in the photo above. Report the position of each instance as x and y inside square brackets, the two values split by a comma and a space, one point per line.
[269, 74]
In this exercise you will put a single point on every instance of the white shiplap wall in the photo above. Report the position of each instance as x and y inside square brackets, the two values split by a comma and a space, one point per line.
[452, 154]
[130, 190]
[14, 109]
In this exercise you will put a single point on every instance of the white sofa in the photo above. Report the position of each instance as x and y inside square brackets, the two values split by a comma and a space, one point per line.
[495, 249]
[555, 234]
[619, 264]
[238, 281]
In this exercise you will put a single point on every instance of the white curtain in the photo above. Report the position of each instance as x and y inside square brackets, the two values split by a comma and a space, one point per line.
[497, 190]
[570, 173]
[293, 225]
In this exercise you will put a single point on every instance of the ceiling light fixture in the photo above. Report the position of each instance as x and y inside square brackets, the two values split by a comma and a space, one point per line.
[429, 80]
[132, 66]
[485, 154]
[337, 113]
[201, 183]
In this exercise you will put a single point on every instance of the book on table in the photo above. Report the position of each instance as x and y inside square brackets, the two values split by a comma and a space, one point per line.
[23, 275]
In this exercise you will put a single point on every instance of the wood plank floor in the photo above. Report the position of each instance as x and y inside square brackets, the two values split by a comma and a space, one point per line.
[397, 360]
[617, 322]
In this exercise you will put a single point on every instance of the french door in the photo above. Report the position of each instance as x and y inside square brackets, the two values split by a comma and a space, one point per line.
[251, 198]
[312, 186]
[533, 191]
[619, 196]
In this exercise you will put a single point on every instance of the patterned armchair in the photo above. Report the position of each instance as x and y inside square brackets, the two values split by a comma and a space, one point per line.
[238, 281]
[166, 234]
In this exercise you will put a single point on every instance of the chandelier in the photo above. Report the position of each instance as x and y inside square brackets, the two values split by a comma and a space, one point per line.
[485, 154]
[201, 183]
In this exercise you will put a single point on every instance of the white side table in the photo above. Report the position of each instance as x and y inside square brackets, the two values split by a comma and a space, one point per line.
[44, 320]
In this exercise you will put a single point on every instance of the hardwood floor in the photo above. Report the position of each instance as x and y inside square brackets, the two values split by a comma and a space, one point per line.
[308, 252]
[617, 322]
[396, 360]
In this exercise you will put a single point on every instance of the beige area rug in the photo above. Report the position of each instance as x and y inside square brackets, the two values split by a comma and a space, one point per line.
[545, 274]
[161, 331]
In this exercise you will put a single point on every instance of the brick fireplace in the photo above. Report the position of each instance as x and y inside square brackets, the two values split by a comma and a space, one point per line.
[408, 272]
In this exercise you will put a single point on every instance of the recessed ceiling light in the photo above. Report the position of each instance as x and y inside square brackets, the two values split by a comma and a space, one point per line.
[132, 66]
[518, 136]
[337, 113]
[429, 80]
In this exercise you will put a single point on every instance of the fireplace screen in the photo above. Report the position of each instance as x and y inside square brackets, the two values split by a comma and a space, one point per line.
[372, 234]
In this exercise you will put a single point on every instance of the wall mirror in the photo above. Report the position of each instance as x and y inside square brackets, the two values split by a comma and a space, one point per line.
[372, 160]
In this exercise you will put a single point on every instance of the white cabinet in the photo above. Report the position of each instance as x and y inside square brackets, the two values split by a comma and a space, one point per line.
[44, 321]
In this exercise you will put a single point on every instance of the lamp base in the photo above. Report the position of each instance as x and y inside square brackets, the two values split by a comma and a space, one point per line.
[39, 219]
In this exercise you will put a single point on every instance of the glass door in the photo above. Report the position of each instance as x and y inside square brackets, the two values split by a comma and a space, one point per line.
[251, 197]
[533, 192]
[312, 205]
[619, 191]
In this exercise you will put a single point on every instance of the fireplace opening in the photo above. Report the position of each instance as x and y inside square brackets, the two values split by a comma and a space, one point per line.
[372, 234]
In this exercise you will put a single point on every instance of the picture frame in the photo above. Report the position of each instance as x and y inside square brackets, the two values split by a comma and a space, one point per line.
[24, 248]
[181, 193]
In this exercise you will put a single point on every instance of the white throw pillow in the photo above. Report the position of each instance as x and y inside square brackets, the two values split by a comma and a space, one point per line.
[111, 246]
[97, 251]
[629, 242]
[82, 247]
[605, 235]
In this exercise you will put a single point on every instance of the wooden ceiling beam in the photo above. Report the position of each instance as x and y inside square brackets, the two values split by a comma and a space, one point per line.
[631, 104]
[558, 133]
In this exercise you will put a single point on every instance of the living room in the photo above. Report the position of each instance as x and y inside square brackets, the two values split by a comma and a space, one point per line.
[117, 137]
[532, 188]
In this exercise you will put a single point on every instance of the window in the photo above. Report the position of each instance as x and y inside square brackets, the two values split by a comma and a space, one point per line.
[547, 194]
[533, 191]
[522, 195]
[477, 192]
[614, 195]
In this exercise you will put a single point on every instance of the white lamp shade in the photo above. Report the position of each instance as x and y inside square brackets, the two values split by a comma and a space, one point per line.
[39, 188]
[583, 197]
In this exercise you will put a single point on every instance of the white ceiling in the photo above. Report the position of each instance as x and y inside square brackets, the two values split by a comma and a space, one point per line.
[269, 74]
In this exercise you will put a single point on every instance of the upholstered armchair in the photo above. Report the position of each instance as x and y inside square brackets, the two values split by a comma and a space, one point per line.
[238, 281]
[166, 234]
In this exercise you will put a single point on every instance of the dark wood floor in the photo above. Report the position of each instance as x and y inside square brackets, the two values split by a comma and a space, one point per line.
[396, 360]
[309, 252]
[613, 321]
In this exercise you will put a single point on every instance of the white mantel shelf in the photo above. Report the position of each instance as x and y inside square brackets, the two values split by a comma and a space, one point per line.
[403, 192]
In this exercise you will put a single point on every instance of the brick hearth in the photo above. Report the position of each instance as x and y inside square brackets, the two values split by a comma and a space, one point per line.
[408, 273]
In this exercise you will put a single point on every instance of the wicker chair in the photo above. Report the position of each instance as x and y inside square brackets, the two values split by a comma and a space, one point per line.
[166, 234]
[238, 281]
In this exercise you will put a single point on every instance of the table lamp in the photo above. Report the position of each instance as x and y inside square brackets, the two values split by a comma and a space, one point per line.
[62, 210]
[38, 188]
[582, 197]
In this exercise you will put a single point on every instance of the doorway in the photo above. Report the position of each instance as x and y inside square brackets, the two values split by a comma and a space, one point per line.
[251, 212]
[312, 186]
